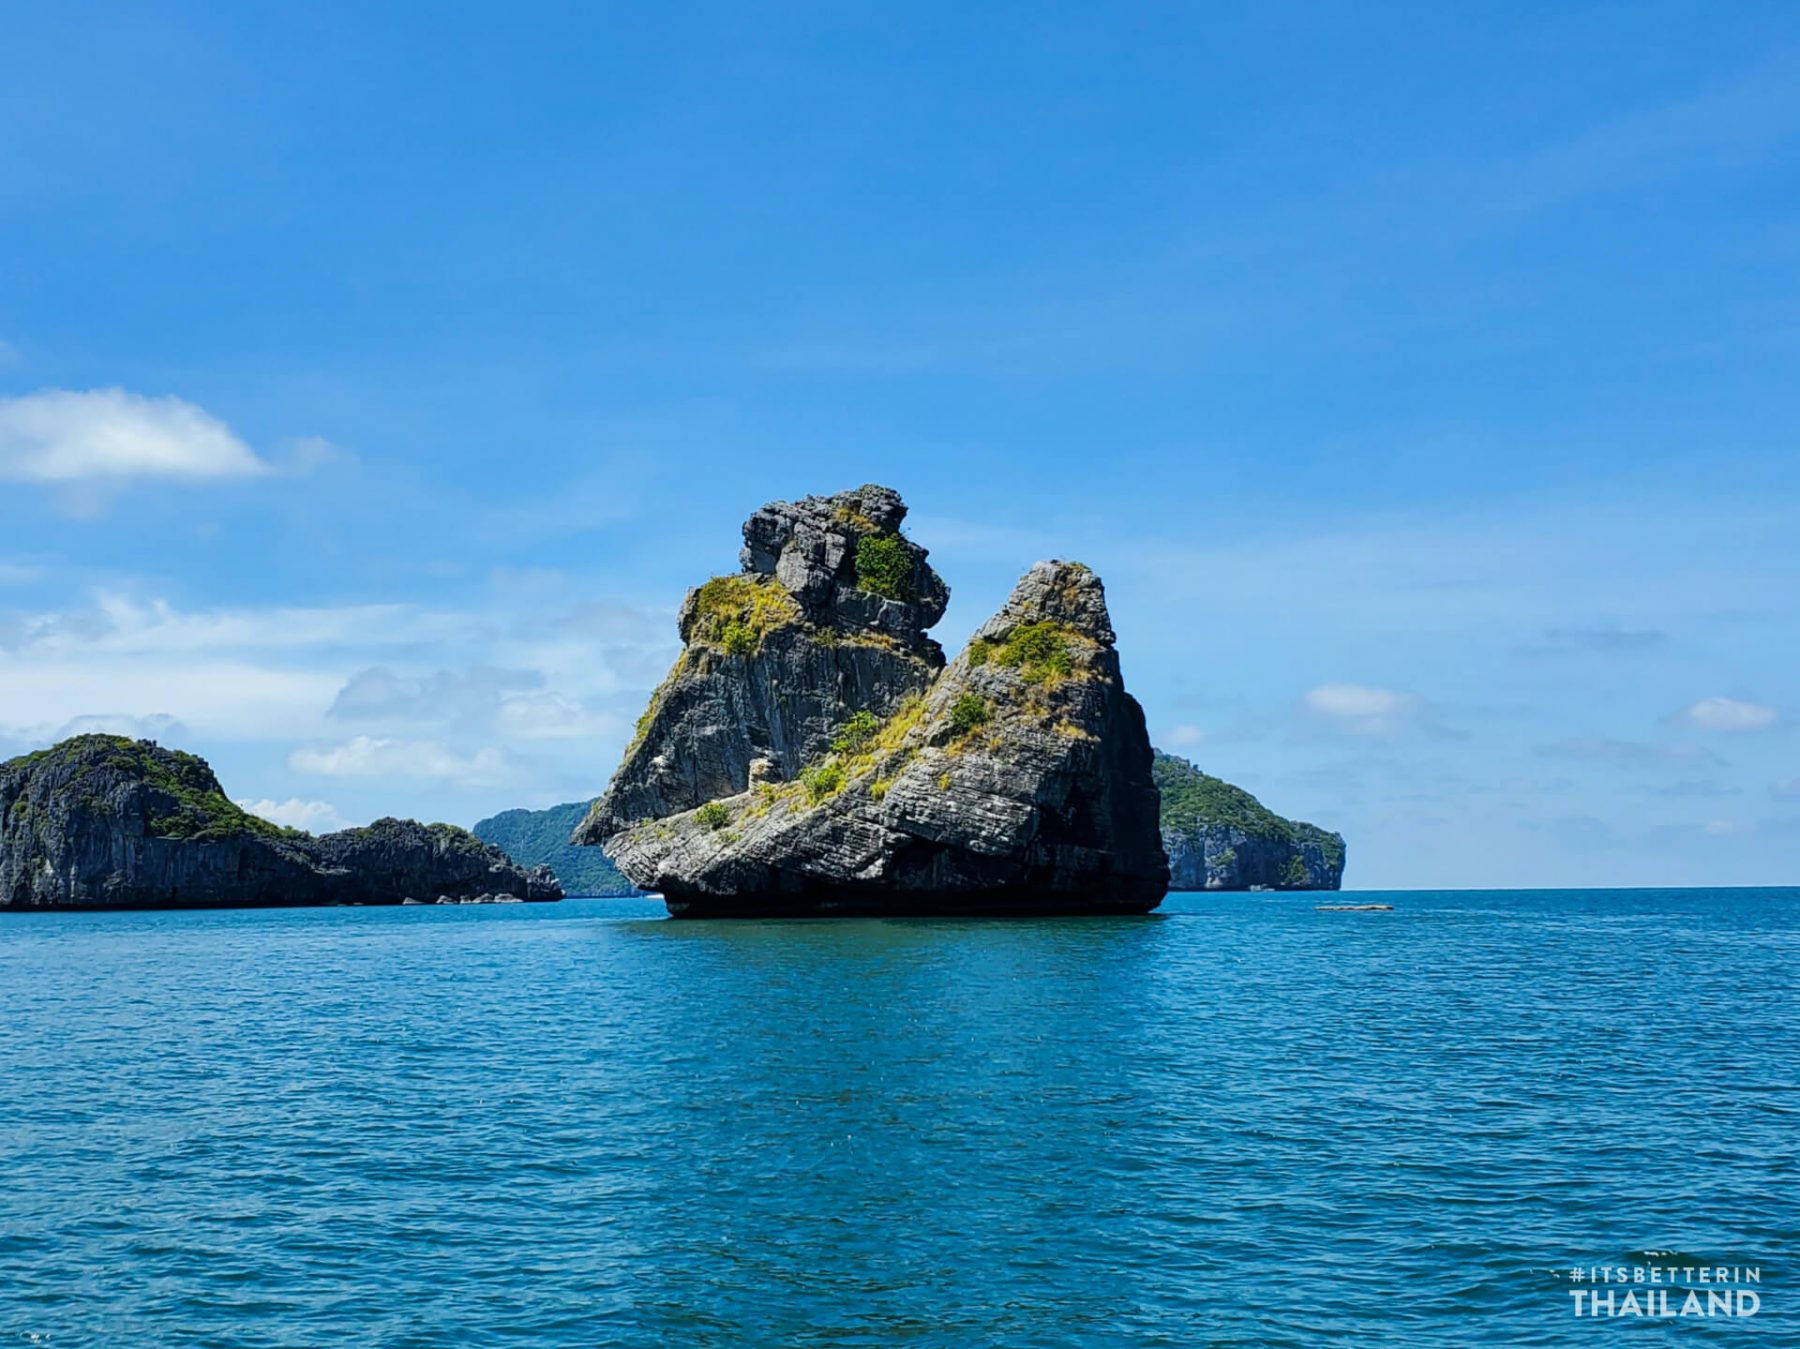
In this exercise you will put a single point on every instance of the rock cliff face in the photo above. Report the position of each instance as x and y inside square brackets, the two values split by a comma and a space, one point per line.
[828, 614]
[101, 821]
[1219, 837]
[829, 765]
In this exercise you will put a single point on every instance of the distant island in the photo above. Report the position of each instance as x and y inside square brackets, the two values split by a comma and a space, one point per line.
[541, 838]
[103, 821]
[1219, 837]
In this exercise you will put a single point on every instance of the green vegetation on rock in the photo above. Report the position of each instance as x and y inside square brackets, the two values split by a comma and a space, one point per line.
[1192, 799]
[198, 808]
[856, 734]
[969, 711]
[822, 780]
[735, 613]
[1042, 653]
[713, 815]
[884, 566]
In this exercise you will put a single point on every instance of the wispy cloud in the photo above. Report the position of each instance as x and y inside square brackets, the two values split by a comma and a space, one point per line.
[1696, 789]
[1184, 736]
[1726, 714]
[1363, 708]
[465, 697]
[1630, 753]
[156, 726]
[379, 757]
[1727, 124]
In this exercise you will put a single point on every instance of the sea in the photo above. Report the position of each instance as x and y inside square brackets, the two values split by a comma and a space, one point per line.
[1237, 1121]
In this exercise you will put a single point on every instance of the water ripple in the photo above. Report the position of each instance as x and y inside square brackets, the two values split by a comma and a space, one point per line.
[1239, 1122]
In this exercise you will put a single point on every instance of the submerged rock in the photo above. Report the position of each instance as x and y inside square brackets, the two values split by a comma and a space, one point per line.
[1017, 780]
[1219, 837]
[102, 821]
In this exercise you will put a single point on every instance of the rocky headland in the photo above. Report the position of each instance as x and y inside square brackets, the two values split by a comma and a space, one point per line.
[101, 821]
[1219, 837]
[810, 753]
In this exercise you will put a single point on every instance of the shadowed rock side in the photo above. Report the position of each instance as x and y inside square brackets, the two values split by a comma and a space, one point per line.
[1219, 837]
[102, 821]
[1018, 781]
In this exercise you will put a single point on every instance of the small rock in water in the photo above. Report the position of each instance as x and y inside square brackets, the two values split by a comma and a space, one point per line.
[1353, 908]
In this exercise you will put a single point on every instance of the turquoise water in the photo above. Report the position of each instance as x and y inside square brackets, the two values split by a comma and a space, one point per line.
[1237, 1122]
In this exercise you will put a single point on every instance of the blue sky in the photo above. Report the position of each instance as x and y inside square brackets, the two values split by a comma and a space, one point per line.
[1423, 381]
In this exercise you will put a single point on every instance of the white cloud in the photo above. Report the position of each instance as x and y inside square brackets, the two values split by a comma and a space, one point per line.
[550, 716]
[1727, 714]
[1787, 789]
[480, 698]
[1362, 708]
[118, 625]
[9, 354]
[449, 696]
[158, 726]
[308, 454]
[316, 817]
[68, 436]
[1185, 735]
[367, 756]
[222, 699]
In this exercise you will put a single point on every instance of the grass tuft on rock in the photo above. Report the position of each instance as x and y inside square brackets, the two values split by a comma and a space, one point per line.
[857, 734]
[735, 613]
[822, 781]
[1042, 653]
[969, 712]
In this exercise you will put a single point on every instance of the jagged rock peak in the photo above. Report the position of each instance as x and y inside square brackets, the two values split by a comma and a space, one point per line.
[845, 562]
[1064, 593]
[826, 618]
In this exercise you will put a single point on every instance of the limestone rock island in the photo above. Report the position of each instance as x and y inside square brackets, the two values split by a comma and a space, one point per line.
[811, 754]
[104, 822]
[1219, 837]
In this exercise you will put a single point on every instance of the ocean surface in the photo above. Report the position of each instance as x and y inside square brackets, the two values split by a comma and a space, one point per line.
[1238, 1121]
